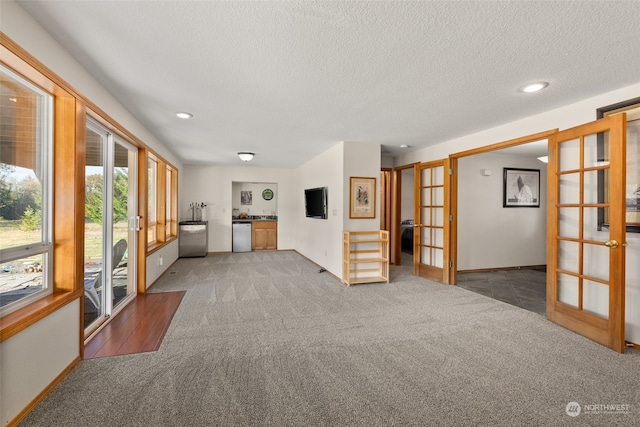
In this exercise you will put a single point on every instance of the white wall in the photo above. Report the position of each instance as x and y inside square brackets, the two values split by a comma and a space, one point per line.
[258, 206]
[320, 240]
[214, 185]
[361, 160]
[32, 359]
[562, 118]
[490, 236]
[159, 261]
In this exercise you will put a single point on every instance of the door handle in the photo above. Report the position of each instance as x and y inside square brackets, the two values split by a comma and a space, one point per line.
[612, 244]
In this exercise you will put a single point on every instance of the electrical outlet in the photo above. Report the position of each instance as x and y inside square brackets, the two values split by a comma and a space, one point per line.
[160, 261]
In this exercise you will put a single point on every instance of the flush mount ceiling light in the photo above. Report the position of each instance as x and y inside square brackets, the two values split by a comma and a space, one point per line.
[404, 146]
[533, 87]
[245, 156]
[544, 159]
[184, 115]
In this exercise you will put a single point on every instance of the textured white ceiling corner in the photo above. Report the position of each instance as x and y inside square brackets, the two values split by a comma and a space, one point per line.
[288, 80]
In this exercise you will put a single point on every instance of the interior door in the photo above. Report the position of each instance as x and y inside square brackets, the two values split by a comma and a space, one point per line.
[586, 230]
[431, 221]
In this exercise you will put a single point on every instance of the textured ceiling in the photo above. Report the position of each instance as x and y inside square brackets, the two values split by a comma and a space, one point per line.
[288, 80]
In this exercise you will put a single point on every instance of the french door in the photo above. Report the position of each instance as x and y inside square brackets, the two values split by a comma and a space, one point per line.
[110, 234]
[586, 230]
[431, 221]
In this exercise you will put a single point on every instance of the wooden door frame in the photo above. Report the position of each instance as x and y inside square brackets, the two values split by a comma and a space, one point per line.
[386, 187]
[453, 188]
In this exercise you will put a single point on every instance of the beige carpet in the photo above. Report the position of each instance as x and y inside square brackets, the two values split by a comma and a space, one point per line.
[263, 339]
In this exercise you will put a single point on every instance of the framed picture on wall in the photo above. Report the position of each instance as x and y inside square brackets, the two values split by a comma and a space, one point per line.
[521, 188]
[362, 197]
[246, 198]
[632, 194]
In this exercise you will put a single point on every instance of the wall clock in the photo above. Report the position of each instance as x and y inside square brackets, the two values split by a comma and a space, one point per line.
[267, 194]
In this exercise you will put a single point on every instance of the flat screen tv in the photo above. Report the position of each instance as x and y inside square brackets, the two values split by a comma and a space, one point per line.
[315, 202]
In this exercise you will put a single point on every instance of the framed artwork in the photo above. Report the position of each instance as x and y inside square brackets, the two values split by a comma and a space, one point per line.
[246, 197]
[521, 188]
[267, 194]
[632, 193]
[362, 197]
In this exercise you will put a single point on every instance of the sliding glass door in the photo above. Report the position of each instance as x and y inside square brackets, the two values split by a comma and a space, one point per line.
[110, 236]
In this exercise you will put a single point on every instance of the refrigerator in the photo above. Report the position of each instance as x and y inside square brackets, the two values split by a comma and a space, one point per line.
[242, 236]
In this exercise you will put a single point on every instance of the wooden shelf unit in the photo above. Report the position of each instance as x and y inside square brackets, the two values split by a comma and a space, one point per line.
[365, 257]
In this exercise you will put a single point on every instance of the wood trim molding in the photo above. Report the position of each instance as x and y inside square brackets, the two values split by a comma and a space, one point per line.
[505, 144]
[21, 319]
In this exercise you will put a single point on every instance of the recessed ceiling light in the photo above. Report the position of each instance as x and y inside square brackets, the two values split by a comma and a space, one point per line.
[533, 87]
[183, 115]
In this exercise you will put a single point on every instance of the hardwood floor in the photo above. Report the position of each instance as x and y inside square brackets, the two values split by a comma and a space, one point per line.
[138, 328]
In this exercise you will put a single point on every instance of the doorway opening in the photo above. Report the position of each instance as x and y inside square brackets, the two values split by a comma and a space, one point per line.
[501, 250]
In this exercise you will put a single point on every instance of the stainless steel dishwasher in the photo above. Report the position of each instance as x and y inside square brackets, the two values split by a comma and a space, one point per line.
[241, 236]
[194, 238]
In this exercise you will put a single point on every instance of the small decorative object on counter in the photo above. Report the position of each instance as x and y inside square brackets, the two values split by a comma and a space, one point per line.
[196, 210]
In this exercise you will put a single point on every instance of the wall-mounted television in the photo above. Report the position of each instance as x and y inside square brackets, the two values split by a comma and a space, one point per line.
[315, 202]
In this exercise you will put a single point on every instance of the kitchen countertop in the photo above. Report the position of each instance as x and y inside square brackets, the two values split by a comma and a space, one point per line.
[255, 218]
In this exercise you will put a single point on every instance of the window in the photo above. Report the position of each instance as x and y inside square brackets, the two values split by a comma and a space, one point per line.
[152, 179]
[26, 139]
[162, 201]
[171, 203]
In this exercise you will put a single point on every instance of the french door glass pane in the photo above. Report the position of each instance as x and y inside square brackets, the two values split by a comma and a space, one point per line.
[425, 237]
[94, 229]
[595, 261]
[568, 289]
[591, 181]
[438, 175]
[438, 237]
[425, 254]
[569, 155]
[438, 196]
[569, 222]
[123, 192]
[568, 256]
[425, 216]
[425, 177]
[569, 188]
[592, 230]
[438, 258]
[595, 152]
[425, 197]
[595, 298]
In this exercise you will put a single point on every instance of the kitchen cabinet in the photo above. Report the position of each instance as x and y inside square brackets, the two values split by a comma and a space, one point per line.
[264, 235]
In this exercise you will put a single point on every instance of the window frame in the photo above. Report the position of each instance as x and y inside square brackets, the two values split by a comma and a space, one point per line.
[66, 237]
[160, 223]
[45, 113]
